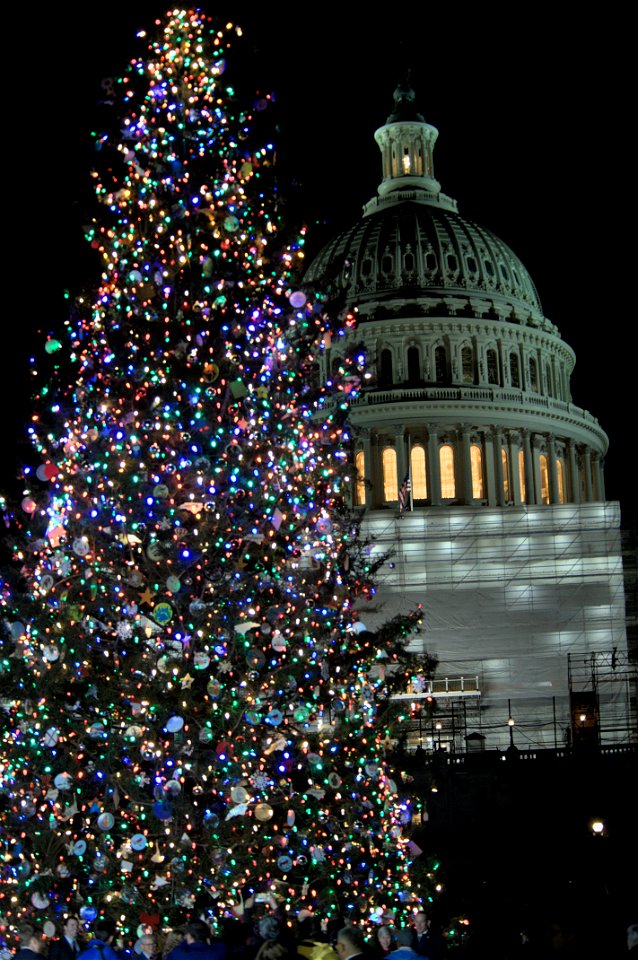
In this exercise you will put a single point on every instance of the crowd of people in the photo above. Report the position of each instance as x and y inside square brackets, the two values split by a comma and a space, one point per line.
[243, 938]
[267, 938]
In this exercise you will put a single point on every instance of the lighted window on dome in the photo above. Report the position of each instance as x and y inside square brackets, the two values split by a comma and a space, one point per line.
[505, 460]
[544, 471]
[417, 470]
[405, 161]
[448, 480]
[389, 468]
[360, 485]
[476, 460]
[560, 476]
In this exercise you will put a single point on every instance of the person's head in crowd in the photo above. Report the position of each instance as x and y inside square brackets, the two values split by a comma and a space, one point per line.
[196, 931]
[403, 937]
[31, 937]
[350, 942]
[385, 938]
[104, 929]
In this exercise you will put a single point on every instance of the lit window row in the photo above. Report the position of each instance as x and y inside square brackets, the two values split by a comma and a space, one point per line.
[522, 476]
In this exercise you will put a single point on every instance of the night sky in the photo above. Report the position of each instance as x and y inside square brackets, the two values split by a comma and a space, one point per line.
[534, 126]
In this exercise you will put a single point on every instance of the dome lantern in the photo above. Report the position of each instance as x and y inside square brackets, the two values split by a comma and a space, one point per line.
[407, 143]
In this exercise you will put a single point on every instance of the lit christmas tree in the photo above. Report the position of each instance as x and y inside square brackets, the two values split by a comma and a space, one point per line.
[193, 711]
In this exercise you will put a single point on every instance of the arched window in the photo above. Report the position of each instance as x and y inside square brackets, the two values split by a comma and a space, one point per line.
[521, 475]
[492, 366]
[414, 366]
[533, 375]
[385, 368]
[389, 467]
[417, 470]
[440, 364]
[448, 479]
[505, 460]
[515, 372]
[360, 482]
[476, 460]
[560, 476]
[467, 365]
[544, 469]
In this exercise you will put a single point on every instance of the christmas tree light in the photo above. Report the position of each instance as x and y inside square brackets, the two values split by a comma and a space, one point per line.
[193, 711]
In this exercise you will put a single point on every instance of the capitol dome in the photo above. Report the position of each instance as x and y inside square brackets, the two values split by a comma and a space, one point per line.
[413, 247]
[468, 382]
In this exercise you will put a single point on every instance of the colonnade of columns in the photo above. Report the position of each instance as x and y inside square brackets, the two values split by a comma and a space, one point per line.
[513, 467]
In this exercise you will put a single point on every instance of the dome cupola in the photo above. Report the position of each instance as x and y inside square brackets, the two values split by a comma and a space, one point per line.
[412, 241]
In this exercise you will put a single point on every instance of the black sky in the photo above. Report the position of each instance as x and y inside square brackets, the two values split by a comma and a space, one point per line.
[534, 116]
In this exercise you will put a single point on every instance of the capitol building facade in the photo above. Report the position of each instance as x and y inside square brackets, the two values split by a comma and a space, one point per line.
[482, 480]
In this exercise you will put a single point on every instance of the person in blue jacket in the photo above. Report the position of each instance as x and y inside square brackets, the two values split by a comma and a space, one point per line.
[197, 944]
[100, 947]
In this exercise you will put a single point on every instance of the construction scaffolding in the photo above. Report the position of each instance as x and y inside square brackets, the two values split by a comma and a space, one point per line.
[602, 688]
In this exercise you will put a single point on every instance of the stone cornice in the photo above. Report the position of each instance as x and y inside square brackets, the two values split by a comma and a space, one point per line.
[450, 406]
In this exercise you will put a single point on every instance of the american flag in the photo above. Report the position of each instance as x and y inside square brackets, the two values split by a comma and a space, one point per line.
[405, 500]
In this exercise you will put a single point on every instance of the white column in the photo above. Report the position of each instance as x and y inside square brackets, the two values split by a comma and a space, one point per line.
[574, 478]
[402, 460]
[599, 478]
[513, 446]
[433, 467]
[530, 486]
[589, 493]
